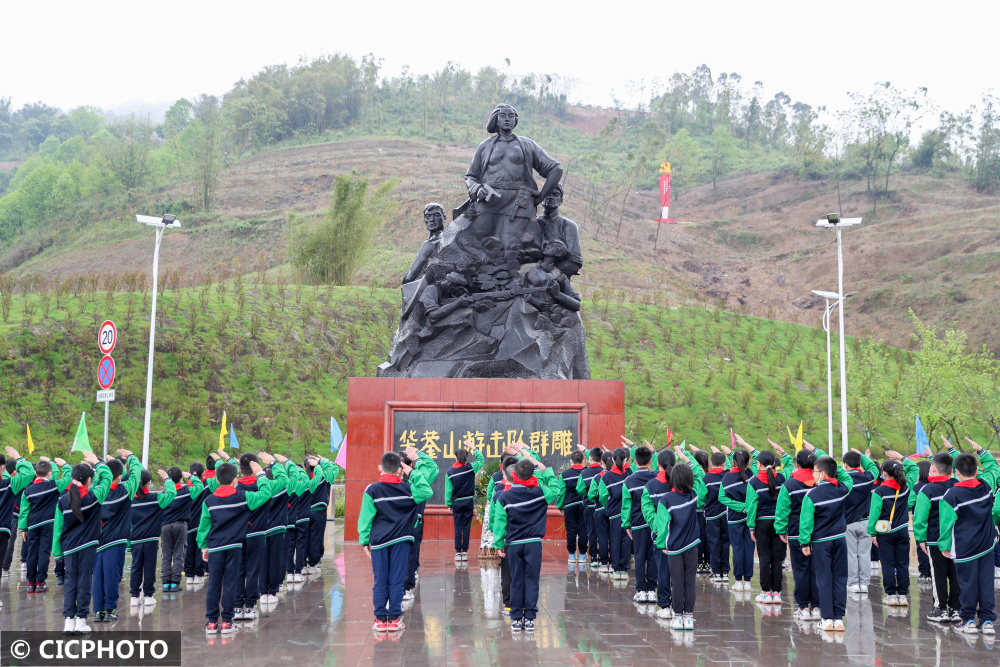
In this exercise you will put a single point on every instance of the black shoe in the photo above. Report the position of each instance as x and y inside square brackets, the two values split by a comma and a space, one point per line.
[31, 588]
[41, 588]
[110, 616]
[939, 616]
[60, 581]
[99, 617]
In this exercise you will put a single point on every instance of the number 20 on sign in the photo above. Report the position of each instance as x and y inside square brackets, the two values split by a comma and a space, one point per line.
[107, 337]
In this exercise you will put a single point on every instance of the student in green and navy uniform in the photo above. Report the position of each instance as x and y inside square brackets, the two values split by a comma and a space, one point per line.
[116, 528]
[733, 495]
[428, 467]
[583, 484]
[144, 539]
[761, 503]
[889, 503]
[35, 520]
[602, 525]
[634, 523]
[460, 495]
[12, 484]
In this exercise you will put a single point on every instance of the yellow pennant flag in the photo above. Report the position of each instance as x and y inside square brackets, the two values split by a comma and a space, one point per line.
[222, 433]
[31, 444]
[796, 440]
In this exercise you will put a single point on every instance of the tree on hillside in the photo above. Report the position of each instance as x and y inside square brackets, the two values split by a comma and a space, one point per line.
[722, 154]
[870, 396]
[988, 147]
[127, 154]
[209, 150]
[331, 250]
[686, 164]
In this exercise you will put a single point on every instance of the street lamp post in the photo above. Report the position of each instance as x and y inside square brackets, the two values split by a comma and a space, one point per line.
[160, 224]
[834, 220]
[829, 371]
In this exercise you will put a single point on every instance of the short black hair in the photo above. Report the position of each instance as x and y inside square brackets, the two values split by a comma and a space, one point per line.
[643, 455]
[508, 470]
[245, 460]
[524, 469]
[174, 473]
[718, 459]
[224, 472]
[3, 460]
[43, 468]
[209, 462]
[682, 478]
[576, 457]
[943, 462]
[826, 465]
[116, 468]
[390, 463]
[807, 460]
[596, 454]
[507, 461]
[925, 469]
[196, 469]
[852, 460]
[11, 466]
[966, 465]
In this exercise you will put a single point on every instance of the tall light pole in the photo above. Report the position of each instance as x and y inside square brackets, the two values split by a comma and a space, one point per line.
[829, 373]
[834, 220]
[160, 224]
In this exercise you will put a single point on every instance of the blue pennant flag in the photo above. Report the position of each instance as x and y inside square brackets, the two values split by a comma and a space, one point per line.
[923, 445]
[233, 442]
[335, 435]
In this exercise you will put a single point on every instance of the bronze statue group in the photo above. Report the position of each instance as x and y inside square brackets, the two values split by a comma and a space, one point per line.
[254, 526]
[664, 517]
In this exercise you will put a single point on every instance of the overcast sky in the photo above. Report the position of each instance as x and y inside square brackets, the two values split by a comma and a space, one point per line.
[125, 55]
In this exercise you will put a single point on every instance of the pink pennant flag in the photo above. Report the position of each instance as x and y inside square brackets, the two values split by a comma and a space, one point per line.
[732, 439]
[341, 460]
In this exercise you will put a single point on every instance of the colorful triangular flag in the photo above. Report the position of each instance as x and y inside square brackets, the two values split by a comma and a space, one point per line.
[341, 460]
[796, 440]
[732, 439]
[222, 433]
[670, 436]
[31, 445]
[335, 436]
[923, 444]
[81, 442]
[233, 442]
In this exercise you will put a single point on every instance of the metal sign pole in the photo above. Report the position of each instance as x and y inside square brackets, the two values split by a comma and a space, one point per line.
[106, 404]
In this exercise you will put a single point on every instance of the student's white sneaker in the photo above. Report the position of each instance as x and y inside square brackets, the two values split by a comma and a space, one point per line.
[69, 627]
[775, 598]
[135, 602]
[737, 586]
[282, 588]
[407, 595]
[746, 585]
[678, 623]
[640, 596]
[688, 622]
[665, 612]
[816, 615]
[196, 580]
[889, 600]
[148, 601]
[250, 613]
[826, 625]
[802, 614]
[763, 597]
[902, 601]
[969, 628]
[987, 628]
[81, 626]
[238, 614]
[838, 625]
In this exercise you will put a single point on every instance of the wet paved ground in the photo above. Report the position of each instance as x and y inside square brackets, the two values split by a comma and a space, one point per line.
[584, 620]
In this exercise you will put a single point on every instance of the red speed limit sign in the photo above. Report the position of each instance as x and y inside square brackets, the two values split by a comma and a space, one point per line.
[107, 337]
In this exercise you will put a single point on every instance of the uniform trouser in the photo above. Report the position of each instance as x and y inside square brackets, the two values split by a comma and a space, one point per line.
[602, 528]
[683, 573]
[525, 569]
[703, 536]
[290, 535]
[414, 563]
[60, 568]
[223, 581]
[664, 598]
[317, 533]
[996, 554]
[923, 563]
[275, 563]
[194, 564]
[297, 547]
[588, 519]
[645, 559]
[461, 512]
[143, 577]
[621, 546]
[803, 573]
[108, 569]
[5, 541]
[505, 581]
[771, 552]
[79, 579]
[576, 529]
[389, 565]
[39, 550]
[173, 539]
[739, 536]
[8, 558]
[717, 531]
[975, 585]
[830, 567]
[894, 553]
[944, 576]
[252, 571]
[859, 554]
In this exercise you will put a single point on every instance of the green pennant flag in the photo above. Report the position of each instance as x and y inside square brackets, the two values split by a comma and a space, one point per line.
[81, 443]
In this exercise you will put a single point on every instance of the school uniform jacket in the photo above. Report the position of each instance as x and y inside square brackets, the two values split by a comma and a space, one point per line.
[733, 493]
[586, 480]
[610, 488]
[320, 479]
[496, 481]
[198, 494]
[713, 482]
[655, 489]
[521, 510]
[460, 480]
[570, 477]
[635, 484]
[147, 512]
[69, 534]
[225, 516]
[968, 514]
[789, 505]
[926, 514]
[116, 510]
[38, 500]
[759, 502]
[677, 527]
[277, 504]
[389, 509]
[10, 487]
[823, 514]
[180, 508]
[428, 467]
[860, 501]
[889, 500]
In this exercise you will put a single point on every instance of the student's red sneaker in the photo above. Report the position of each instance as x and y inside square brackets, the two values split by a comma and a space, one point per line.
[31, 588]
[228, 628]
[397, 625]
[211, 627]
[380, 626]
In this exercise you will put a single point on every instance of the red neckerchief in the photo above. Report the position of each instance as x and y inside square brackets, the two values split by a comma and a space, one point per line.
[114, 485]
[762, 476]
[716, 471]
[892, 484]
[601, 474]
[856, 469]
[530, 482]
[456, 464]
[506, 485]
[804, 475]
[594, 465]
[615, 470]
[141, 490]
[39, 480]
[248, 480]
[179, 485]
[225, 491]
[390, 479]
[576, 466]
[661, 477]
[969, 483]
[832, 480]
[735, 469]
[934, 479]
[209, 474]
[638, 468]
